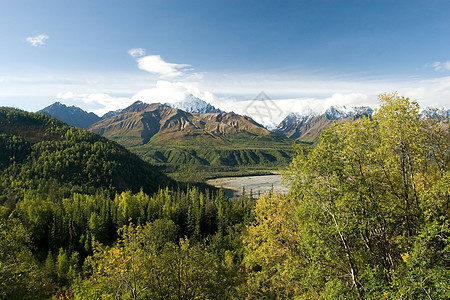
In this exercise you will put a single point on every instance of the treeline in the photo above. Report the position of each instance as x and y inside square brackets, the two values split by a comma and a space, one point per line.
[74, 223]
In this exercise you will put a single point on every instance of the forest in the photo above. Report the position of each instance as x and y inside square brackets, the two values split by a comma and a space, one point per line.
[366, 217]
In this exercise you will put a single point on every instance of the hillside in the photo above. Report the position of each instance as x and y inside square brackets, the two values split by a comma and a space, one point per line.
[170, 136]
[37, 151]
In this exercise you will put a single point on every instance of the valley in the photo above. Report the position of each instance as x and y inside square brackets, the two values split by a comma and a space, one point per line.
[192, 141]
[72, 200]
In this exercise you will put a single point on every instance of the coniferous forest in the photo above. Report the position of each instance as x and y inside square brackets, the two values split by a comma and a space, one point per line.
[366, 217]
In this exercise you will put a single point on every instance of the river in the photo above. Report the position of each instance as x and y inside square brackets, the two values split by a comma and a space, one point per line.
[257, 184]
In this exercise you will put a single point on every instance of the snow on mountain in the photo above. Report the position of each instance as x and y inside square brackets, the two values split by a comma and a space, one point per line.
[111, 114]
[192, 104]
[271, 126]
[431, 112]
[342, 112]
[308, 127]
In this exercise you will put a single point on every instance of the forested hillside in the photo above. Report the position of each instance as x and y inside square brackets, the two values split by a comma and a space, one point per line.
[366, 217]
[41, 153]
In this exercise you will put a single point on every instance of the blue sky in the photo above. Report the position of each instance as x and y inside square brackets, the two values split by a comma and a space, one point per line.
[304, 55]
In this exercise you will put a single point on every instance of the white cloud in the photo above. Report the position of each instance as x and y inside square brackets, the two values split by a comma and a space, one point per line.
[430, 92]
[170, 92]
[156, 65]
[136, 52]
[439, 66]
[101, 102]
[67, 95]
[101, 93]
[38, 40]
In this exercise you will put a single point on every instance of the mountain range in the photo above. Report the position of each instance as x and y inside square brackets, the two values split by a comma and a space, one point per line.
[77, 117]
[294, 126]
[140, 122]
[307, 128]
[166, 135]
[193, 132]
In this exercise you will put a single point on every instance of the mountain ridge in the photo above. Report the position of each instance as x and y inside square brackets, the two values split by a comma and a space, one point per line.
[70, 115]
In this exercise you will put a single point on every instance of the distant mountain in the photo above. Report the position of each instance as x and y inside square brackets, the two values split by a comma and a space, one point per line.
[71, 115]
[192, 104]
[308, 128]
[165, 134]
[344, 112]
[442, 113]
[39, 151]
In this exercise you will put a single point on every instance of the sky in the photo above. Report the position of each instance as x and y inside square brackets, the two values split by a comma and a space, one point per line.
[260, 58]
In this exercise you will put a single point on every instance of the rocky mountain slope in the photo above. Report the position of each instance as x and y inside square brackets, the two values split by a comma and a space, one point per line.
[442, 113]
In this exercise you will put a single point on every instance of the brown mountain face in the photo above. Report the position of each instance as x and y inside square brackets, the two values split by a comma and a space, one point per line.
[140, 123]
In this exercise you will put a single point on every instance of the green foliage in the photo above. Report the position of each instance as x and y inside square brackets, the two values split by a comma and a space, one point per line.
[425, 273]
[64, 199]
[65, 231]
[20, 277]
[13, 149]
[139, 267]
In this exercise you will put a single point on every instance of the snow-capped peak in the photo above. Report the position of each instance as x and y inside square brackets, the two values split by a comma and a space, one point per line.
[341, 112]
[192, 104]
[432, 112]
